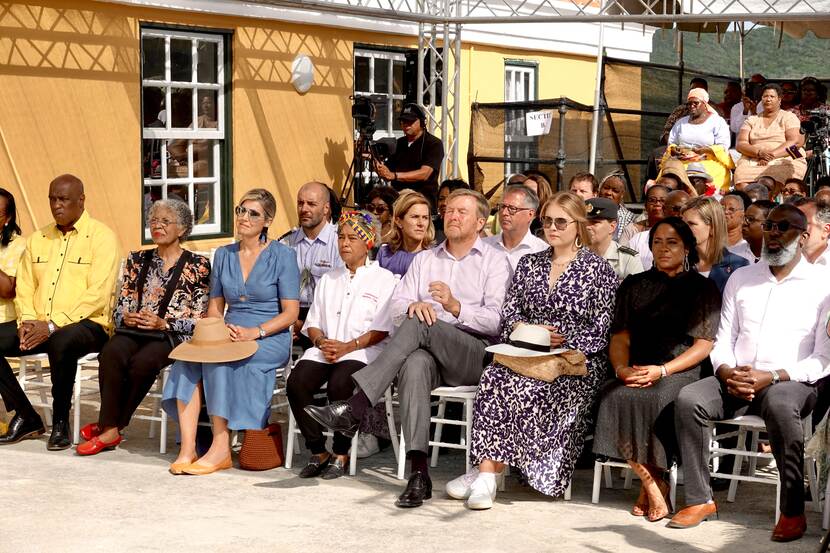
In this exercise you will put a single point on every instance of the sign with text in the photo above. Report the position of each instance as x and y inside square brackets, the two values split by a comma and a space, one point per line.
[538, 122]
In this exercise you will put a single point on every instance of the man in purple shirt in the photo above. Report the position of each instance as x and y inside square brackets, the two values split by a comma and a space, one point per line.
[448, 308]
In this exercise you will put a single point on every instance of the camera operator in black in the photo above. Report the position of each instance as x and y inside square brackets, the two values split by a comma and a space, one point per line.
[416, 163]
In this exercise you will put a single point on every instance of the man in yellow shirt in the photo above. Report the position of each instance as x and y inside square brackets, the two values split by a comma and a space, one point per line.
[64, 286]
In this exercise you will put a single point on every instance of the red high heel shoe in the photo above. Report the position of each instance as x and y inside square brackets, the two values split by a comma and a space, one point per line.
[95, 446]
[90, 431]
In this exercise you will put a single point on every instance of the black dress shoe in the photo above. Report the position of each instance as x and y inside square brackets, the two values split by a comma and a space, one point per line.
[60, 436]
[334, 470]
[20, 429]
[315, 467]
[417, 490]
[336, 416]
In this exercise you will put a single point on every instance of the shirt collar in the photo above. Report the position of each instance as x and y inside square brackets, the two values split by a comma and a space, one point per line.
[802, 271]
[79, 227]
[527, 240]
[613, 251]
[478, 246]
[329, 231]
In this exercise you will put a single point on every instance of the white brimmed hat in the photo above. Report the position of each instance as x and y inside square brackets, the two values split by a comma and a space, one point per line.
[211, 343]
[527, 341]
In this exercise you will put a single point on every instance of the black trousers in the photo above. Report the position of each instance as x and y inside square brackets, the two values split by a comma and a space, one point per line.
[127, 369]
[305, 380]
[782, 406]
[64, 348]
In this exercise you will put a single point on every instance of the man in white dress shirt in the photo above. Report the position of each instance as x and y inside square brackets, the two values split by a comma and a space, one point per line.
[771, 347]
[519, 205]
[818, 231]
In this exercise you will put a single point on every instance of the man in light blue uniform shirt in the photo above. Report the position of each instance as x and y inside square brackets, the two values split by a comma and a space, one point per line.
[315, 242]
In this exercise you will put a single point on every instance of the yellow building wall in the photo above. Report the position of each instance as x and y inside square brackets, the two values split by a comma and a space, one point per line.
[70, 103]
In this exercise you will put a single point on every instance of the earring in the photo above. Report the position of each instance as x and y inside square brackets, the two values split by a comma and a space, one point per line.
[686, 262]
[578, 242]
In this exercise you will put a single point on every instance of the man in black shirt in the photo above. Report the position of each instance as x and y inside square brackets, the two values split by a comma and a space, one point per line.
[416, 163]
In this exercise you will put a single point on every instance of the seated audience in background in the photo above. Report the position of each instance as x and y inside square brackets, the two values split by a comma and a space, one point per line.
[411, 232]
[812, 95]
[259, 282]
[164, 291]
[756, 191]
[448, 308]
[701, 181]
[753, 231]
[602, 222]
[674, 177]
[613, 188]
[748, 105]
[795, 187]
[379, 202]
[663, 331]
[682, 110]
[315, 244]
[517, 210]
[706, 220]
[675, 201]
[734, 207]
[584, 185]
[702, 137]
[815, 248]
[348, 318]
[63, 289]
[655, 202]
[766, 356]
[732, 94]
[447, 187]
[789, 95]
[540, 184]
[567, 293]
[769, 141]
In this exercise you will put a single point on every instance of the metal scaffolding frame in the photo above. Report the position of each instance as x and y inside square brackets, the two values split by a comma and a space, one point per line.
[440, 23]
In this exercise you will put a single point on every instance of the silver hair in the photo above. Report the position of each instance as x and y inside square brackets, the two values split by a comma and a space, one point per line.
[822, 213]
[763, 191]
[184, 217]
[531, 200]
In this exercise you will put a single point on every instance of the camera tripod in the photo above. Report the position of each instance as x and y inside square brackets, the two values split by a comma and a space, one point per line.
[361, 176]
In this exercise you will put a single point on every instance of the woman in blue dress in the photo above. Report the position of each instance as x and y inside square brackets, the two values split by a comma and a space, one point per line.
[258, 280]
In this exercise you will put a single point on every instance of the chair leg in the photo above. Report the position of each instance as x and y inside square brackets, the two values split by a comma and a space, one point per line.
[390, 421]
[44, 399]
[777, 498]
[609, 481]
[439, 427]
[825, 519]
[292, 438]
[753, 461]
[468, 426]
[629, 477]
[401, 456]
[76, 427]
[598, 470]
[163, 424]
[736, 468]
[673, 485]
[568, 492]
[353, 455]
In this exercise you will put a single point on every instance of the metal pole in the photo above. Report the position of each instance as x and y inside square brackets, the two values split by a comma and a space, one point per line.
[419, 77]
[456, 101]
[741, 50]
[445, 96]
[592, 159]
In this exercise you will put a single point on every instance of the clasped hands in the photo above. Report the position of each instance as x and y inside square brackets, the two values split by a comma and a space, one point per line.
[743, 381]
[145, 320]
[32, 333]
[639, 376]
[442, 295]
[333, 350]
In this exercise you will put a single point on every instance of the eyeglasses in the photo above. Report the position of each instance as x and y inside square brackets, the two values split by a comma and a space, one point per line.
[163, 223]
[512, 209]
[787, 91]
[377, 209]
[780, 226]
[752, 220]
[560, 223]
[655, 201]
[241, 211]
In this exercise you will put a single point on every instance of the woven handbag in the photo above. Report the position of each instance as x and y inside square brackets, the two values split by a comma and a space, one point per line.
[262, 449]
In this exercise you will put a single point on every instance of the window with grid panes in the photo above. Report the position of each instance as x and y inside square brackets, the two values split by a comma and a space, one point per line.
[379, 75]
[184, 123]
[519, 86]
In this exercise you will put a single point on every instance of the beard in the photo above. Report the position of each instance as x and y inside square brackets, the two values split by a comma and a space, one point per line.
[782, 256]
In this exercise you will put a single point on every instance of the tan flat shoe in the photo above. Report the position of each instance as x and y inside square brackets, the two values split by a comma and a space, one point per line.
[178, 468]
[200, 470]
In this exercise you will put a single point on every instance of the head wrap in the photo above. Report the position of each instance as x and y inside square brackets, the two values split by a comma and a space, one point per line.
[703, 96]
[362, 223]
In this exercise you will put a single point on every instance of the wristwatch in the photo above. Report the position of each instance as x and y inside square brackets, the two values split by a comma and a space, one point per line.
[776, 378]
[262, 332]
[51, 326]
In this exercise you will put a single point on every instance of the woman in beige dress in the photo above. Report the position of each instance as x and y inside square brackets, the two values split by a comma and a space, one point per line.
[768, 141]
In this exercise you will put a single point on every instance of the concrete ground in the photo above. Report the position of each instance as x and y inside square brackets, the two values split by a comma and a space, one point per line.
[126, 501]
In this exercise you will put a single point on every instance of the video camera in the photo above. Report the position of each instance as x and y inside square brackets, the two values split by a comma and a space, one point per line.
[363, 113]
[819, 123]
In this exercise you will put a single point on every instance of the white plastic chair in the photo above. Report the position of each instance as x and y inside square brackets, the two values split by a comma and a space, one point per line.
[754, 425]
[603, 468]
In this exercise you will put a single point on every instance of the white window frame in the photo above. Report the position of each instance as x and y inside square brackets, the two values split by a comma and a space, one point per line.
[194, 133]
[517, 77]
[384, 56]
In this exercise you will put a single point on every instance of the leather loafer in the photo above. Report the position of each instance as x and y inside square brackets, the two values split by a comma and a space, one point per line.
[20, 429]
[335, 470]
[790, 528]
[200, 470]
[336, 416]
[90, 431]
[315, 467]
[59, 439]
[693, 515]
[95, 446]
[417, 490]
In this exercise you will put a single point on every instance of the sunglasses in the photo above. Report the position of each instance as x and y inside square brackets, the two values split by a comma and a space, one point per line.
[560, 223]
[376, 209]
[243, 211]
[780, 226]
[512, 209]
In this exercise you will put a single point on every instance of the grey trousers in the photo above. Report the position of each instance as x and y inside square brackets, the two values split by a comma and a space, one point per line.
[782, 406]
[422, 358]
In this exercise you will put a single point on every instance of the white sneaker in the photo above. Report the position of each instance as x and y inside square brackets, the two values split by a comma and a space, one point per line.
[482, 492]
[367, 445]
[459, 488]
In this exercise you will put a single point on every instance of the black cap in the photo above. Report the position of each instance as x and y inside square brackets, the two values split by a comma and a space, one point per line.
[411, 112]
[601, 208]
